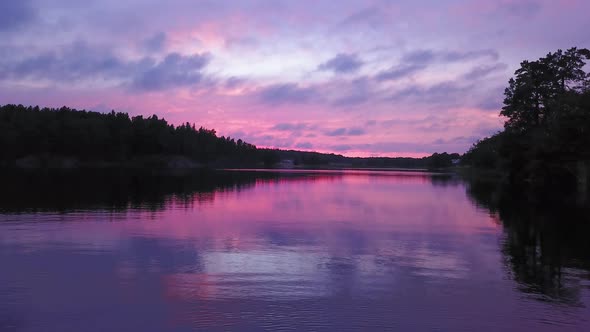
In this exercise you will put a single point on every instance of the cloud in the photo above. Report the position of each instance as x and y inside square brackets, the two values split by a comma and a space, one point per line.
[455, 56]
[426, 57]
[492, 100]
[352, 99]
[290, 126]
[71, 63]
[397, 72]
[79, 62]
[372, 16]
[520, 8]
[352, 93]
[354, 131]
[484, 70]
[286, 93]
[428, 123]
[340, 147]
[445, 93]
[457, 140]
[492, 103]
[342, 64]
[419, 57]
[304, 145]
[241, 43]
[15, 14]
[155, 43]
[234, 82]
[416, 61]
[336, 132]
[175, 70]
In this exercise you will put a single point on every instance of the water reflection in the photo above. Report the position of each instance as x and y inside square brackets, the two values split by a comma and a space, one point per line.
[116, 189]
[304, 250]
[545, 246]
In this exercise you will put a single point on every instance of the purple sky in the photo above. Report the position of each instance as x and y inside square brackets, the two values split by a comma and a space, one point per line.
[364, 78]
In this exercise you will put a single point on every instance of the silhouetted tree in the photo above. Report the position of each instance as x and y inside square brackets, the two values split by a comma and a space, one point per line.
[547, 132]
[442, 160]
[536, 93]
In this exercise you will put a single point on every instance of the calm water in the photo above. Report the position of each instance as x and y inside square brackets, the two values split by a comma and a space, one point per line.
[327, 251]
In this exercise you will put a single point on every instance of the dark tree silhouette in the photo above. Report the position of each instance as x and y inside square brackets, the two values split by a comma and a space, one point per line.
[539, 88]
[546, 137]
[113, 137]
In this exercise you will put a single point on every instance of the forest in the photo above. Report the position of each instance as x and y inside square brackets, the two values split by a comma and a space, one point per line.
[546, 136]
[46, 133]
[33, 137]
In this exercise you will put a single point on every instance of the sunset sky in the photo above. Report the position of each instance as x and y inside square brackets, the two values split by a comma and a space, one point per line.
[360, 78]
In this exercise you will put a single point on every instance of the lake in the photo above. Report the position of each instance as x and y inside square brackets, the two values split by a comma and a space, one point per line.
[286, 250]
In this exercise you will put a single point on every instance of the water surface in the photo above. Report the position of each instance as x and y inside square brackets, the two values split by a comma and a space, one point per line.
[250, 251]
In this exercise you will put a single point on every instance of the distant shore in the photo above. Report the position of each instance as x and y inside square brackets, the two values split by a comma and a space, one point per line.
[162, 162]
[59, 162]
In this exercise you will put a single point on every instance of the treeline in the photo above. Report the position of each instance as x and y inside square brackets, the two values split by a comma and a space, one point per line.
[304, 158]
[546, 136]
[45, 137]
[115, 137]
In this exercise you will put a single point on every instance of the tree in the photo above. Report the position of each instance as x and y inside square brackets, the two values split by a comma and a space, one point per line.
[534, 96]
[546, 139]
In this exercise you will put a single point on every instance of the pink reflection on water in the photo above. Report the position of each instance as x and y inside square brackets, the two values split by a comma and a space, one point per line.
[296, 226]
[322, 204]
[379, 240]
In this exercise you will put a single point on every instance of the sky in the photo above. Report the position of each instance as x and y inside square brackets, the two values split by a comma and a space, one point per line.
[359, 78]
